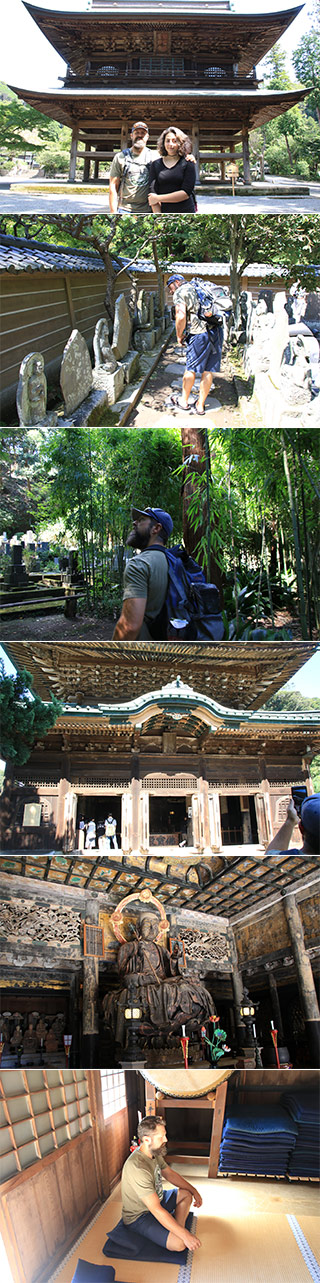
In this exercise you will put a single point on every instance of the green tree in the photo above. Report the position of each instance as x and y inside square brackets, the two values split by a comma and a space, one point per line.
[22, 127]
[24, 717]
[306, 62]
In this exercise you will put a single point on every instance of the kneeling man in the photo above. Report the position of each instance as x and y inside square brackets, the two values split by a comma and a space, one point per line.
[158, 1214]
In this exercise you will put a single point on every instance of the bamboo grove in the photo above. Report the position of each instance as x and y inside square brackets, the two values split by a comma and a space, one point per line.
[249, 512]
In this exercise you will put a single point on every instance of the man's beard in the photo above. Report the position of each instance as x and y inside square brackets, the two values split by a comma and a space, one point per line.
[141, 541]
[159, 1153]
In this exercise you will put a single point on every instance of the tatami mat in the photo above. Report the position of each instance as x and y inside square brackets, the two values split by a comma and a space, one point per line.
[310, 1226]
[129, 1271]
[244, 1231]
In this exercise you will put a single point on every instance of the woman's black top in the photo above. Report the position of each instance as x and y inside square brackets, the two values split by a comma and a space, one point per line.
[180, 177]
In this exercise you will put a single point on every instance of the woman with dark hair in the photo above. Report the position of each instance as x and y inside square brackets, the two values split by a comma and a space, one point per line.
[172, 175]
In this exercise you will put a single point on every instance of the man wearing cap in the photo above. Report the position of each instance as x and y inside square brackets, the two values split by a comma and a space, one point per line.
[129, 174]
[204, 347]
[145, 577]
[309, 825]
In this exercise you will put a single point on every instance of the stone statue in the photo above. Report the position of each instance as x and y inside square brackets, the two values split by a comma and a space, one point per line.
[103, 355]
[296, 374]
[262, 323]
[168, 999]
[32, 390]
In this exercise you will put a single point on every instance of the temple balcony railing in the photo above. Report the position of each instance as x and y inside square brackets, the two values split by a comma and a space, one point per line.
[158, 78]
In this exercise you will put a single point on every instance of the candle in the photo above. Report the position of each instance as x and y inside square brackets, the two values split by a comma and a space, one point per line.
[272, 1025]
[183, 1031]
[254, 1031]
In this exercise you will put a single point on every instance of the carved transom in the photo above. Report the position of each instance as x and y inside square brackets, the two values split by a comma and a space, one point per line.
[209, 946]
[24, 921]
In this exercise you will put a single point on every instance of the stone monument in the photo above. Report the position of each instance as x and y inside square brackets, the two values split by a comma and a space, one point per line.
[76, 372]
[121, 328]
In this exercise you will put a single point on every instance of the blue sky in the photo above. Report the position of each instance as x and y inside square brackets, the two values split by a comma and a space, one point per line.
[27, 59]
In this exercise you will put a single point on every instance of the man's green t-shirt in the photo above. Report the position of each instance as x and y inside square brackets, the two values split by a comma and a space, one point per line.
[140, 1176]
[133, 171]
[146, 576]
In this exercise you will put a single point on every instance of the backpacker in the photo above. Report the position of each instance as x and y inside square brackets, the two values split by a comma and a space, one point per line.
[214, 301]
[191, 611]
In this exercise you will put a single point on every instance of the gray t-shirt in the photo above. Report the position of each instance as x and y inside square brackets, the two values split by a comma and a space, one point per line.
[187, 295]
[146, 576]
[133, 171]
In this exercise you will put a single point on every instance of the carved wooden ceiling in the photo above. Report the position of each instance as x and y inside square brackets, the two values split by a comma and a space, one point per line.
[223, 886]
[237, 675]
[242, 38]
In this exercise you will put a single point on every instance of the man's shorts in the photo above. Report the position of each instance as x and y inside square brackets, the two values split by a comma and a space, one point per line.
[150, 1227]
[204, 351]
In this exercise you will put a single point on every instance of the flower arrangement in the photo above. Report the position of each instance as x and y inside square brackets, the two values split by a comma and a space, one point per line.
[217, 1042]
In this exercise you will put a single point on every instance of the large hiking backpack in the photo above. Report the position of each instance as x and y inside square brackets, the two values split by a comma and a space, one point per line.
[192, 610]
[214, 301]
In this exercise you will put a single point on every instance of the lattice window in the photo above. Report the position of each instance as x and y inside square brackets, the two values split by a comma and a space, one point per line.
[114, 1096]
[40, 1110]
[169, 783]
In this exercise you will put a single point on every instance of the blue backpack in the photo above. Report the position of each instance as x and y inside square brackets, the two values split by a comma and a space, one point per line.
[191, 611]
[214, 301]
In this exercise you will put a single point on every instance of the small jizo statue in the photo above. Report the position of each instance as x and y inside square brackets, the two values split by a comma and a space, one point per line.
[32, 390]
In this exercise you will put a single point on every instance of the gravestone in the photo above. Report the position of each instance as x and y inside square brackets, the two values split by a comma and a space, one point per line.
[32, 390]
[144, 340]
[142, 308]
[121, 329]
[130, 366]
[109, 381]
[103, 354]
[16, 575]
[76, 372]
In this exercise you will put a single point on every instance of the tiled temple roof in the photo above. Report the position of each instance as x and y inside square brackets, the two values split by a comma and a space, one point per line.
[19, 255]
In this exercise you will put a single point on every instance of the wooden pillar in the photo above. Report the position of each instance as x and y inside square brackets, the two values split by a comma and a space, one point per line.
[203, 791]
[124, 141]
[151, 1103]
[217, 1125]
[90, 1017]
[222, 163]
[135, 792]
[246, 156]
[96, 167]
[73, 153]
[74, 1018]
[64, 787]
[276, 1010]
[86, 167]
[237, 987]
[306, 983]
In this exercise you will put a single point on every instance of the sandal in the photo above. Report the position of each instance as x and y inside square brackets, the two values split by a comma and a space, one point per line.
[176, 400]
[196, 409]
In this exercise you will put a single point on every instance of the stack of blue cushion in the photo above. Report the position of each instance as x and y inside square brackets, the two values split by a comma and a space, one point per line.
[257, 1140]
[303, 1107]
